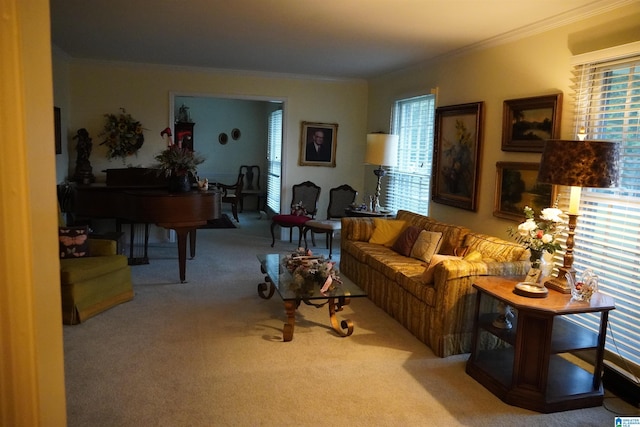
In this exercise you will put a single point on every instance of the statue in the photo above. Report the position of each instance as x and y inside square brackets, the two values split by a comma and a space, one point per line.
[84, 171]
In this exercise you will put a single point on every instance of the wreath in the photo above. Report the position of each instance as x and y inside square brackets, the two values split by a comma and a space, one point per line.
[123, 135]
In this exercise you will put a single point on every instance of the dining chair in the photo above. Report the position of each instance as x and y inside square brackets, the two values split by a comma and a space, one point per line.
[304, 206]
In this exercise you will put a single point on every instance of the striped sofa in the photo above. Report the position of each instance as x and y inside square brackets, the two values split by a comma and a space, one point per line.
[440, 314]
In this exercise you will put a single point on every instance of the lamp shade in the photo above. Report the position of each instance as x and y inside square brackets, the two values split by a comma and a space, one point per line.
[580, 163]
[382, 149]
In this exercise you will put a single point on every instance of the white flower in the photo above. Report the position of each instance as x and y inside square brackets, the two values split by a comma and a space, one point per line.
[527, 227]
[551, 214]
[547, 238]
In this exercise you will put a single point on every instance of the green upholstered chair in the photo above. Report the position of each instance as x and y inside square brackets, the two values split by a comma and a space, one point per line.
[94, 283]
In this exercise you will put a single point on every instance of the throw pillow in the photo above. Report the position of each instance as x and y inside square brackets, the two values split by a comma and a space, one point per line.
[427, 244]
[427, 276]
[73, 241]
[386, 231]
[405, 241]
[473, 256]
[461, 250]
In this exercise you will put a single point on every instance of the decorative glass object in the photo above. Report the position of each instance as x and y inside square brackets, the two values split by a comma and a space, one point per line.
[584, 288]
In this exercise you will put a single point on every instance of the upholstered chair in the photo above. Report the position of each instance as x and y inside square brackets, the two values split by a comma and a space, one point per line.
[304, 206]
[340, 198]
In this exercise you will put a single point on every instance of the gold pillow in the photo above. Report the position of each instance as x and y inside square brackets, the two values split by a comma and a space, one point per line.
[427, 276]
[386, 231]
[473, 256]
[426, 245]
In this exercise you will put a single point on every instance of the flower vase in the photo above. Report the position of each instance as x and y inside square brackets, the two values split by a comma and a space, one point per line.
[179, 184]
[535, 258]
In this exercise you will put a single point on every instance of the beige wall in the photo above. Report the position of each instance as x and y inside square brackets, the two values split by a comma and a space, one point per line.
[97, 88]
[533, 66]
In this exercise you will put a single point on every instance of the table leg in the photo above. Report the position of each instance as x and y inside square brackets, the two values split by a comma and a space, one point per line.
[346, 324]
[287, 330]
[192, 243]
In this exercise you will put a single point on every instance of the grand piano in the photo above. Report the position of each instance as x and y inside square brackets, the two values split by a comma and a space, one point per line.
[139, 195]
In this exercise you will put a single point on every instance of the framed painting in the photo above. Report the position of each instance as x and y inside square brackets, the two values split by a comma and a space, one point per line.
[457, 150]
[528, 122]
[57, 127]
[318, 144]
[517, 187]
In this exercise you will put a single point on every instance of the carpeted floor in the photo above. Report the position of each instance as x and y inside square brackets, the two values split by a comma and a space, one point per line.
[210, 353]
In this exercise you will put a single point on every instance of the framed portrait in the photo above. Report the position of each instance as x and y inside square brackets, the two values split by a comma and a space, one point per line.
[57, 127]
[318, 144]
[517, 187]
[528, 122]
[457, 152]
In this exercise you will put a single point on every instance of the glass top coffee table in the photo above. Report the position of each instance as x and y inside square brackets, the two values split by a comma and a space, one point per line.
[279, 279]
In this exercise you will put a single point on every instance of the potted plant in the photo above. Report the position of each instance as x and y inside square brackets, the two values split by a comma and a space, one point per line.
[177, 164]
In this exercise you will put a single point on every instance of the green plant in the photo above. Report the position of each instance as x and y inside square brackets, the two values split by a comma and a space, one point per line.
[176, 161]
[123, 135]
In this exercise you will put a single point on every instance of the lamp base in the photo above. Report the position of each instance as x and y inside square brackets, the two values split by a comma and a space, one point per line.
[557, 284]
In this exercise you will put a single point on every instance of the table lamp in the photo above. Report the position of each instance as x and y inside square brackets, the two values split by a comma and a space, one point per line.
[577, 164]
[382, 150]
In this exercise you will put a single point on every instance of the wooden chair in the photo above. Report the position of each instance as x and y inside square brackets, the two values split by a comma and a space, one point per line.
[232, 194]
[340, 198]
[252, 186]
[306, 193]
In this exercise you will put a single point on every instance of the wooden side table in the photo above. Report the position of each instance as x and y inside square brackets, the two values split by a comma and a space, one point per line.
[530, 364]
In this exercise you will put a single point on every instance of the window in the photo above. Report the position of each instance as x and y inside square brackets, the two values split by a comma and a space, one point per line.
[274, 161]
[607, 99]
[408, 185]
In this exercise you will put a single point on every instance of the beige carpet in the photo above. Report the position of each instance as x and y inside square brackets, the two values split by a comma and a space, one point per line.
[210, 353]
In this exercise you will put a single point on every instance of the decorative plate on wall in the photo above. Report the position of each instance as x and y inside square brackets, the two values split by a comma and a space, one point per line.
[223, 138]
[235, 134]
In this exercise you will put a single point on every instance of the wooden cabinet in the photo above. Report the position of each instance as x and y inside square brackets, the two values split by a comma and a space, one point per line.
[183, 132]
[533, 364]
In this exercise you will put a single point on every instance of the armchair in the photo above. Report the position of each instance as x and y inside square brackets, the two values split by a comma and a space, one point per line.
[340, 198]
[306, 194]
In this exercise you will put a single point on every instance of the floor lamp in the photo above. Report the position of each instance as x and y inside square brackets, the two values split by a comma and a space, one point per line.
[577, 164]
[382, 150]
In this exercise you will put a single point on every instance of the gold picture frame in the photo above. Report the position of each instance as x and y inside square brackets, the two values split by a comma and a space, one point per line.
[528, 122]
[318, 143]
[517, 187]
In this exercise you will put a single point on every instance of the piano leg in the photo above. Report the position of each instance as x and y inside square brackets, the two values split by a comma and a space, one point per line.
[182, 233]
[192, 244]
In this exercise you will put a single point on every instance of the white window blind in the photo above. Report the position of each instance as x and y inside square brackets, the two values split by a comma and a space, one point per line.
[274, 160]
[408, 184]
[607, 105]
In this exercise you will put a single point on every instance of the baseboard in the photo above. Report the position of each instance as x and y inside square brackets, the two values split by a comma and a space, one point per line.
[621, 385]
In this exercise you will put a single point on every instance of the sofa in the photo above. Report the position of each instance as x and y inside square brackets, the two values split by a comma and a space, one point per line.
[430, 295]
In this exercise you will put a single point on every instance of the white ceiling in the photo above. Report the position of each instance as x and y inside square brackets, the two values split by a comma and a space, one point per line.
[330, 38]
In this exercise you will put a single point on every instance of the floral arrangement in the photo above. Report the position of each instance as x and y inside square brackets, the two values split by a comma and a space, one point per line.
[177, 161]
[123, 135]
[540, 235]
[308, 270]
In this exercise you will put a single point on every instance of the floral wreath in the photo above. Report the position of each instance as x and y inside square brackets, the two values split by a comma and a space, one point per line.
[123, 135]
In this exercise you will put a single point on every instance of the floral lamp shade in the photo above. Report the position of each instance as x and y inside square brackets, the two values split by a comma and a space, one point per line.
[580, 163]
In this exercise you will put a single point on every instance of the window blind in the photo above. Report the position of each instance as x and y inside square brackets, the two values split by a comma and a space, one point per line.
[274, 161]
[408, 183]
[607, 106]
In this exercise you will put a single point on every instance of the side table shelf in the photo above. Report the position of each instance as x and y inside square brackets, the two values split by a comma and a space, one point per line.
[530, 365]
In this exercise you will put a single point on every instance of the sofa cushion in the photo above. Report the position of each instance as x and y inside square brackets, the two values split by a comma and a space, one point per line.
[426, 245]
[74, 270]
[73, 241]
[452, 235]
[386, 231]
[405, 241]
[427, 276]
[495, 248]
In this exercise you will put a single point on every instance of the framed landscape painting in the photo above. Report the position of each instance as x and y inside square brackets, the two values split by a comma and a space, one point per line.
[457, 151]
[528, 122]
[517, 187]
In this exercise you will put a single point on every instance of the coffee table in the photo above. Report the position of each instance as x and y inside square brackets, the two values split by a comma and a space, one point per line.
[278, 278]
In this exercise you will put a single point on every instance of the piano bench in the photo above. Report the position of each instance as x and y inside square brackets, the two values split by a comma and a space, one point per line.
[91, 285]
